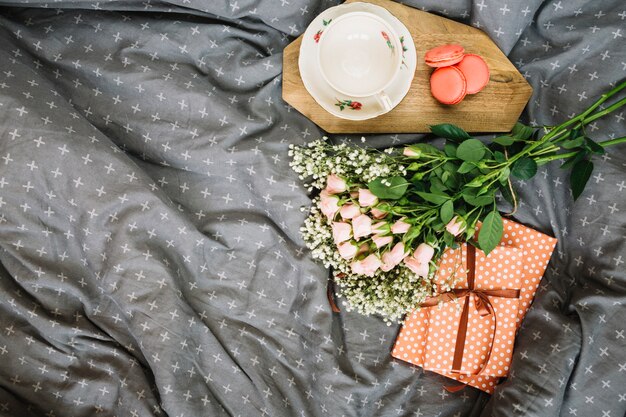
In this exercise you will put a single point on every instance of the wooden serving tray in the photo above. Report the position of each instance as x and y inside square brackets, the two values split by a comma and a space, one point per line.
[495, 109]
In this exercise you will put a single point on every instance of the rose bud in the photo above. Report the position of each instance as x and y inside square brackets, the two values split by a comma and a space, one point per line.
[335, 184]
[400, 226]
[341, 231]
[456, 226]
[347, 250]
[420, 269]
[329, 204]
[361, 226]
[349, 211]
[424, 253]
[378, 214]
[381, 241]
[393, 257]
[367, 198]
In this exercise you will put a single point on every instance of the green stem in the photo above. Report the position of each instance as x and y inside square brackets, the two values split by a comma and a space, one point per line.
[604, 97]
[604, 144]
[549, 149]
[604, 112]
[545, 159]
[612, 142]
[581, 119]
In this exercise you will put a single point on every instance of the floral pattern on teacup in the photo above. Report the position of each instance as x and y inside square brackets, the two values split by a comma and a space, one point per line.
[350, 104]
[386, 38]
[404, 49]
[318, 34]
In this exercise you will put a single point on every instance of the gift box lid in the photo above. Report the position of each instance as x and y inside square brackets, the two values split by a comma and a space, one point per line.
[487, 336]
[537, 249]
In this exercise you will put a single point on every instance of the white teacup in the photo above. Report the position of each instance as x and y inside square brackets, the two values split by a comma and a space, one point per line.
[360, 55]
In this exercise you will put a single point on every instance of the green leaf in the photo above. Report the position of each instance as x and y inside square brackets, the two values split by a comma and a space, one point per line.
[476, 182]
[479, 201]
[579, 177]
[504, 175]
[469, 191]
[504, 140]
[450, 131]
[448, 239]
[447, 211]
[450, 167]
[490, 232]
[452, 182]
[466, 167]
[499, 156]
[516, 148]
[433, 198]
[484, 190]
[450, 149]
[524, 168]
[573, 143]
[437, 186]
[593, 146]
[508, 195]
[472, 150]
[388, 192]
[412, 233]
[521, 131]
[573, 160]
[436, 226]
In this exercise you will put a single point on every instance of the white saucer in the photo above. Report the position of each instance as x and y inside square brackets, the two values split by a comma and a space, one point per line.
[329, 98]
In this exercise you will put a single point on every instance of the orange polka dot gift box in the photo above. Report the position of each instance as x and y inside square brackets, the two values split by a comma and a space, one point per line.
[467, 332]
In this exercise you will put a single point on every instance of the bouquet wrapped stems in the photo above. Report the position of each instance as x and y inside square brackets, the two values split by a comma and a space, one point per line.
[383, 219]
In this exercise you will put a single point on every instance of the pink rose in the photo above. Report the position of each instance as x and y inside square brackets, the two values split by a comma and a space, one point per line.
[393, 257]
[409, 152]
[419, 268]
[381, 241]
[329, 204]
[455, 226]
[341, 231]
[335, 184]
[366, 198]
[347, 250]
[367, 266]
[424, 253]
[380, 228]
[349, 211]
[400, 226]
[378, 214]
[361, 226]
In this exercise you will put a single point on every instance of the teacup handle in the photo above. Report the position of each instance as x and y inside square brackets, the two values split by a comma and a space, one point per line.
[384, 100]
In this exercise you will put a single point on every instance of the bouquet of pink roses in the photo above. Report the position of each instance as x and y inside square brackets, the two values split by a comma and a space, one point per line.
[383, 219]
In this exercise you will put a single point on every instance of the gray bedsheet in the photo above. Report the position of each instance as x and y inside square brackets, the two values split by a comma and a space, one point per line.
[151, 262]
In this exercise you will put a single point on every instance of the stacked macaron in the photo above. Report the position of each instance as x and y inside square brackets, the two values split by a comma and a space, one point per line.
[457, 73]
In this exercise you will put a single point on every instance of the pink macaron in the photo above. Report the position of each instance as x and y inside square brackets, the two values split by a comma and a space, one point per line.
[448, 85]
[475, 71]
[444, 55]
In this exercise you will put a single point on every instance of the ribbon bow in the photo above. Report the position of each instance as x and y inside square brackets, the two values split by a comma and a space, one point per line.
[482, 303]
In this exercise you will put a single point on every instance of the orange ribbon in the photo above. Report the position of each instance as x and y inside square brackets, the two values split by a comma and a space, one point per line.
[482, 303]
